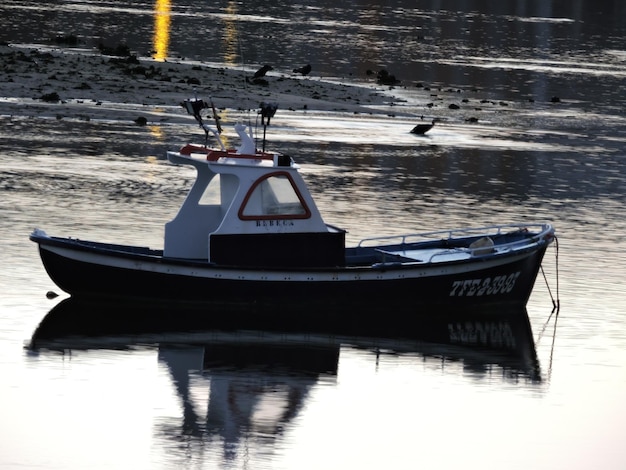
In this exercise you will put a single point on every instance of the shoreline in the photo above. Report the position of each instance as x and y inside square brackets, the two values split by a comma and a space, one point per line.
[70, 83]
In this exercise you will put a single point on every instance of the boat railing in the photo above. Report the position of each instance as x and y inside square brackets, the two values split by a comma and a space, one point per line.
[539, 231]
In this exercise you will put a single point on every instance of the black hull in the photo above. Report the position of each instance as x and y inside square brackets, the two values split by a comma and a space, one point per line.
[461, 285]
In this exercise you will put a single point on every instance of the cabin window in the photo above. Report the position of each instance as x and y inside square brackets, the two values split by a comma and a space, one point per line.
[274, 197]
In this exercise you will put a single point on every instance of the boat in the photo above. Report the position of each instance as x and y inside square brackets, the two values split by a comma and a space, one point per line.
[260, 242]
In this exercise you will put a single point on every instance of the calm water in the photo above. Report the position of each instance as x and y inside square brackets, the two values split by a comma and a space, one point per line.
[114, 387]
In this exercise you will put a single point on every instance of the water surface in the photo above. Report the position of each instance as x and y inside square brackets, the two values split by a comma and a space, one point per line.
[94, 390]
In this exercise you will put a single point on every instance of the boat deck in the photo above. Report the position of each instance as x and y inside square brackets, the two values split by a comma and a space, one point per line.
[425, 255]
[417, 249]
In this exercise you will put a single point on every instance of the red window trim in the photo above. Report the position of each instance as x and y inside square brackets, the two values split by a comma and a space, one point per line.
[307, 211]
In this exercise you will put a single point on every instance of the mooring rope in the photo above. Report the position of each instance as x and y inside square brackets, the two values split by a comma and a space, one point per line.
[556, 304]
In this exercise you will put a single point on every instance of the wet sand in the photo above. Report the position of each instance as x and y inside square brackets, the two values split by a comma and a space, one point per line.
[68, 83]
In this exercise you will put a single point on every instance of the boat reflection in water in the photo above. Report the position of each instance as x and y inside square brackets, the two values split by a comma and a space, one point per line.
[259, 380]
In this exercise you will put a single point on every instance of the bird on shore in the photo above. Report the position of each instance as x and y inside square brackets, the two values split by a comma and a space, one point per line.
[257, 78]
[262, 71]
[423, 128]
[305, 70]
[383, 77]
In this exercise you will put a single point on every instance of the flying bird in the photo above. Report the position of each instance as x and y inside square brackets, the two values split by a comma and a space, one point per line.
[303, 70]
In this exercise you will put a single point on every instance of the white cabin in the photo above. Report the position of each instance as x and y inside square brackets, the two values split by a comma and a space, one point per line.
[249, 208]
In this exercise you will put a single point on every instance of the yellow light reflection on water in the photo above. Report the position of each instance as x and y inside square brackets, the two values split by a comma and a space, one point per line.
[156, 132]
[231, 38]
[162, 21]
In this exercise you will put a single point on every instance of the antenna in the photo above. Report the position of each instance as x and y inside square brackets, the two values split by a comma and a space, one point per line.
[267, 111]
[194, 107]
[217, 119]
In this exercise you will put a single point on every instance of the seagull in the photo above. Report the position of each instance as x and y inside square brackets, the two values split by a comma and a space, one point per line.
[303, 70]
[423, 128]
[262, 71]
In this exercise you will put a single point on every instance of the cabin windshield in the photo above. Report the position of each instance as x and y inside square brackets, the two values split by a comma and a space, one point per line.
[274, 196]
